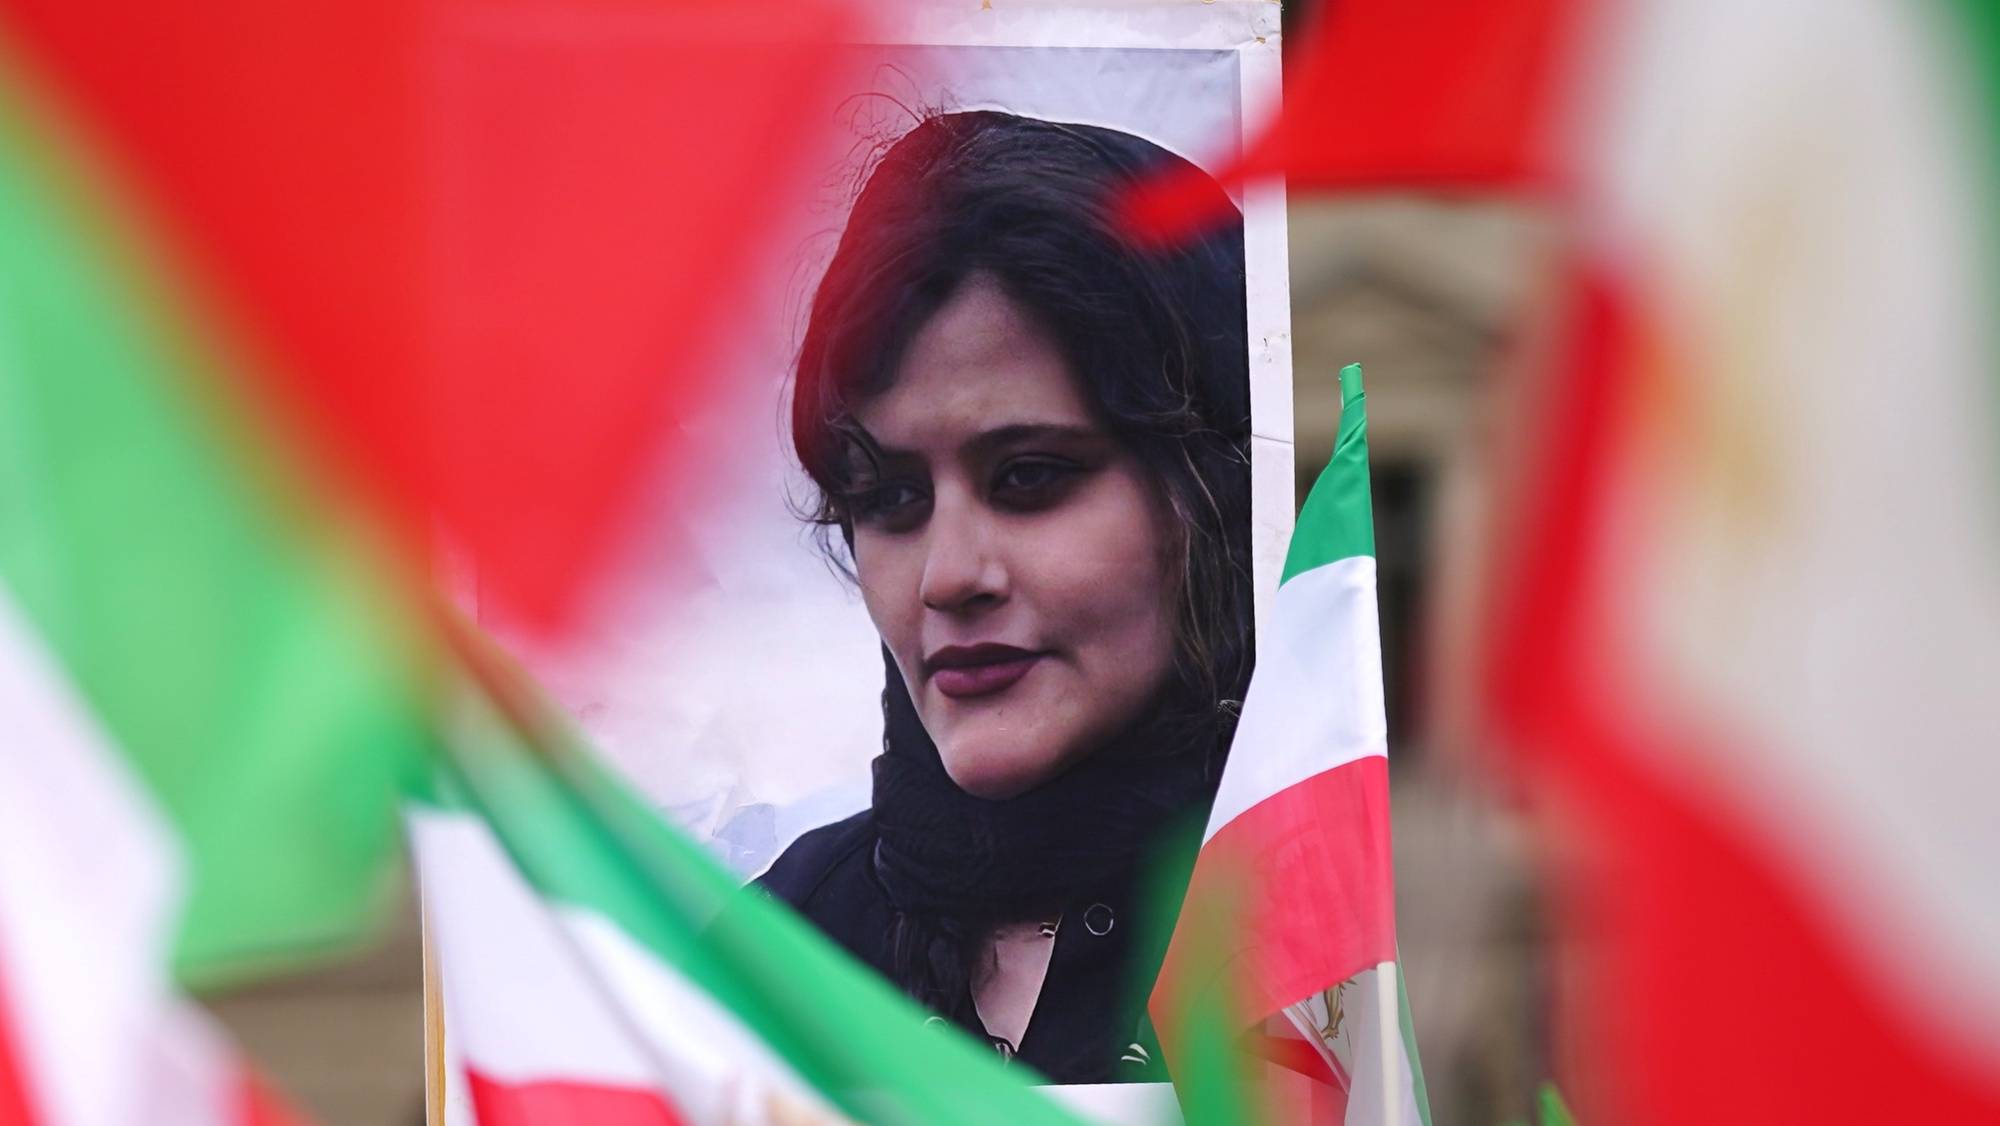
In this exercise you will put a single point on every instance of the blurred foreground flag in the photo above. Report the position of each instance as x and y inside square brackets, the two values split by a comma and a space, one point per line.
[486, 255]
[1748, 637]
[1297, 852]
[203, 716]
[1746, 599]
[596, 965]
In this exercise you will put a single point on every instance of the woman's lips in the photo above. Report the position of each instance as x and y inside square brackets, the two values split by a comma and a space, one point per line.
[965, 671]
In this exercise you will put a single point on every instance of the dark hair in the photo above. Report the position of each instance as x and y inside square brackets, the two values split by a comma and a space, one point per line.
[1153, 333]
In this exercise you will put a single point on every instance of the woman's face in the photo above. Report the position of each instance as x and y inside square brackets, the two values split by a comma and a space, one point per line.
[1013, 555]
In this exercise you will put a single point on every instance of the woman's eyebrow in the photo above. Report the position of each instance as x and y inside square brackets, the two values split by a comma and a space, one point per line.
[1002, 437]
[1023, 433]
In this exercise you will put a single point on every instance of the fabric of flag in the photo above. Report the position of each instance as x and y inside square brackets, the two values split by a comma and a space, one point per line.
[1748, 623]
[1297, 845]
[485, 254]
[206, 719]
[215, 617]
[1450, 94]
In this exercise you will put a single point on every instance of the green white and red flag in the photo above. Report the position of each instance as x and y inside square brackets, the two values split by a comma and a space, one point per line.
[208, 718]
[1296, 854]
[1748, 613]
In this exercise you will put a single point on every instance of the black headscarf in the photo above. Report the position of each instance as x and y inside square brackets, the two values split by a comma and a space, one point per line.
[953, 863]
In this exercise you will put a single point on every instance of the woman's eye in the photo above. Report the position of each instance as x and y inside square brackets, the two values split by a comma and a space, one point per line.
[890, 503]
[1032, 481]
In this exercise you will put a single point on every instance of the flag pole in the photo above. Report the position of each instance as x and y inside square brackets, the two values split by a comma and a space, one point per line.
[1388, 1007]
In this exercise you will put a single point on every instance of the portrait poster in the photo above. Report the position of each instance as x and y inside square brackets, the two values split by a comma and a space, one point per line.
[731, 668]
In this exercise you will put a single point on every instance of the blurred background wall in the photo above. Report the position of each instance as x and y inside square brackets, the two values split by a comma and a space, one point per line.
[1422, 292]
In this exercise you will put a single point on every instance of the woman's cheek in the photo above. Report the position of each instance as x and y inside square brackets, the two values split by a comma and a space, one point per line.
[888, 576]
[1104, 571]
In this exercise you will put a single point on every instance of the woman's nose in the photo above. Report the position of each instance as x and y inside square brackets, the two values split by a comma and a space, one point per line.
[962, 568]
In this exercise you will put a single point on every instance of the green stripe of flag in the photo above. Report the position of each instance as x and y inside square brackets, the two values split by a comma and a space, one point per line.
[582, 839]
[245, 671]
[1338, 521]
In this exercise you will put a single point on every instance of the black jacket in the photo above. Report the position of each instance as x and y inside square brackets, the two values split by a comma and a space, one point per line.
[1089, 1023]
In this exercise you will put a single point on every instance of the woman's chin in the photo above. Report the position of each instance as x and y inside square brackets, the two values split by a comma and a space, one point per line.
[994, 775]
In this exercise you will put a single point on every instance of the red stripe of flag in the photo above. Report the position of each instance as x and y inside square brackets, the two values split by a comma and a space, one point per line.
[484, 254]
[1718, 991]
[1314, 861]
[1386, 93]
[548, 1102]
[15, 1107]
[1292, 1053]
[258, 1105]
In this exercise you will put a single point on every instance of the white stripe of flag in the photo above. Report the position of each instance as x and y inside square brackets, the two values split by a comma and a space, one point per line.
[553, 1007]
[91, 884]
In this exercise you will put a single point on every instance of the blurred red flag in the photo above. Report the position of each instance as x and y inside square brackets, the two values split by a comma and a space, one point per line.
[1451, 94]
[483, 251]
[14, 1102]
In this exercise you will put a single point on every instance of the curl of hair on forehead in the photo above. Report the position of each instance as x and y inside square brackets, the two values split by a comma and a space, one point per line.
[1154, 335]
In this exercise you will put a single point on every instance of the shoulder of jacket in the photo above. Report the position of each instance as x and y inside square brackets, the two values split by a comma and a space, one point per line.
[817, 856]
